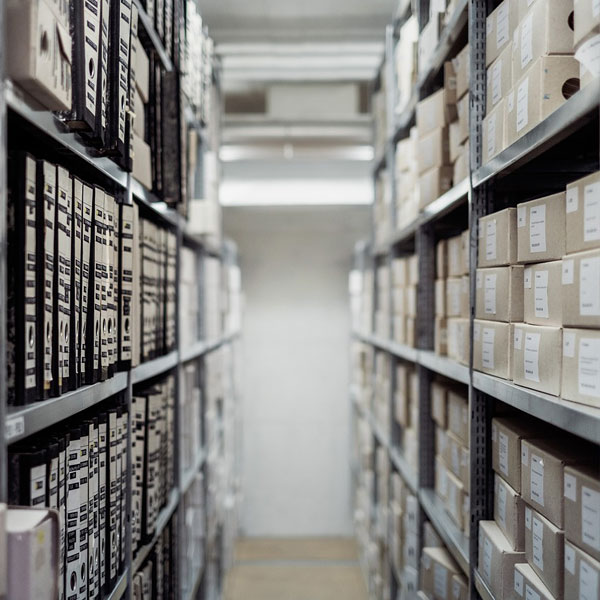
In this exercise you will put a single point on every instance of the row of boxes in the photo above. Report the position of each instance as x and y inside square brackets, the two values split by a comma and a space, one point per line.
[406, 412]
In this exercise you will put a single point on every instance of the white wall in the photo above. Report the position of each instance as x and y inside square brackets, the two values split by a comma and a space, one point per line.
[295, 407]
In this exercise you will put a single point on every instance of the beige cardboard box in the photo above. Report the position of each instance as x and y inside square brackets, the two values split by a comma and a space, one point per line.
[537, 357]
[440, 336]
[433, 150]
[542, 476]
[509, 513]
[454, 140]
[441, 441]
[458, 340]
[453, 296]
[462, 107]
[542, 294]
[582, 574]
[499, 79]
[455, 498]
[498, 238]
[142, 162]
[544, 30]
[581, 289]
[538, 93]
[527, 584]
[456, 261]
[497, 559]
[433, 184]
[460, 587]
[465, 297]
[441, 478]
[142, 72]
[461, 63]
[456, 457]
[583, 213]
[507, 437]
[586, 19]
[582, 507]
[139, 123]
[431, 113]
[544, 549]
[493, 132]
[461, 166]
[410, 301]
[492, 348]
[540, 229]
[458, 414]
[440, 297]
[399, 324]
[437, 569]
[499, 294]
[399, 272]
[500, 27]
[439, 404]
[441, 259]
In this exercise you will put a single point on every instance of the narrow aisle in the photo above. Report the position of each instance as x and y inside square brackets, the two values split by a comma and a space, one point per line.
[295, 569]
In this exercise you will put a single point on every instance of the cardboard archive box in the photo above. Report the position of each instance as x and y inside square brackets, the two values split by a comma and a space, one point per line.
[542, 300]
[499, 294]
[582, 574]
[581, 366]
[528, 585]
[494, 140]
[492, 348]
[499, 79]
[583, 214]
[438, 568]
[581, 289]
[500, 27]
[509, 513]
[498, 238]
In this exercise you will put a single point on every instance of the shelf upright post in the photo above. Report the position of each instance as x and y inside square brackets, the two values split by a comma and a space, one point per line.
[480, 204]
[3, 254]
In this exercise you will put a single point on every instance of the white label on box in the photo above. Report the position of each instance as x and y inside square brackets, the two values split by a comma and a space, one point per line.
[503, 452]
[497, 83]
[568, 271]
[527, 517]
[502, 505]
[531, 358]
[530, 593]
[477, 331]
[526, 40]
[591, 213]
[490, 240]
[487, 347]
[588, 54]
[518, 583]
[537, 228]
[494, 433]
[537, 538]
[570, 559]
[588, 581]
[521, 216]
[524, 454]
[570, 485]
[537, 479]
[590, 517]
[527, 278]
[510, 101]
[502, 26]
[589, 287]
[541, 294]
[572, 200]
[491, 133]
[523, 104]
[589, 367]
[518, 338]
[479, 280]
[490, 294]
[569, 338]
[440, 581]
[487, 559]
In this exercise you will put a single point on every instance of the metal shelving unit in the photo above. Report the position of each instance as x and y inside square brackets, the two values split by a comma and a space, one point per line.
[120, 587]
[504, 181]
[155, 367]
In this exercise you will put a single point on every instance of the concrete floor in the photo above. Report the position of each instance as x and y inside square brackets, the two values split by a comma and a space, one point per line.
[295, 569]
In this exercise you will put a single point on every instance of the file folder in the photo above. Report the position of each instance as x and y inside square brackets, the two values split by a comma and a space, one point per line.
[126, 285]
[102, 498]
[83, 509]
[76, 277]
[86, 351]
[73, 507]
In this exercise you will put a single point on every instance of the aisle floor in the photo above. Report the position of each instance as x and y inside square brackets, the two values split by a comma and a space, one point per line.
[295, 569]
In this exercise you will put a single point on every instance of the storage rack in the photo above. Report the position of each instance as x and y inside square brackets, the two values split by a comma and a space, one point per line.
[553, 151]
[17, 423]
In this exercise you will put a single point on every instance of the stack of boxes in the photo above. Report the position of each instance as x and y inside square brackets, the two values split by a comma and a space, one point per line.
[451, 333]
[544, 540]
[406, 412]
[459, 125]
[531, 68]
[405, 279]
[406, 62]
[382, 389]
[532, 319]
[407, 180]
[382, 208]
[382, 309]
[450, 412]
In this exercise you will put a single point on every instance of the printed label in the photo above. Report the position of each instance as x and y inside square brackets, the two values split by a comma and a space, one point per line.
[537, 537]
[572, 200]
[518, 583]
[502, 26]
[591, 212]
[440, 580]
[521, 216]
[537, 228]
[527, 272]
[523, 104]
[588, 581]
[541, 294]
[524, 454]
[568, 271]
[589, 367]
[531, 358]
[490, 240]
[487, 348]
[570, 485]
[570, 559]
[518, 338]
[502, 506]
[589, 287]
[537, 479]
[526, 41]
[590, 517]
[569, 338]
[503, 452]
[527, 517]
[497, 82]
[491, 141]
[490, 294]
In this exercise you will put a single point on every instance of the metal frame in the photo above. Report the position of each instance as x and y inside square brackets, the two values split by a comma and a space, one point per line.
[17, 423]
[481, 196]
